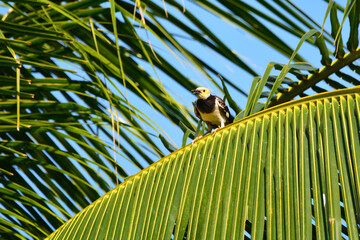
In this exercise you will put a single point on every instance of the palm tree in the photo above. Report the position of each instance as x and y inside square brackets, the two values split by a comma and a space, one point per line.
[70, 133]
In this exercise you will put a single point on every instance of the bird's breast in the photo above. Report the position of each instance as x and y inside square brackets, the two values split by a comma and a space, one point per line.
[214, 117]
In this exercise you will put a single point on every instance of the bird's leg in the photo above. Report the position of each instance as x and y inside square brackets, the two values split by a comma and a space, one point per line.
[222, 124]
[214, 130]
[195, 139]
[209, 127]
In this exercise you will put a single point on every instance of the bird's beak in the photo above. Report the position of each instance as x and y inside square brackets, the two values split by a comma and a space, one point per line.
[195, 92]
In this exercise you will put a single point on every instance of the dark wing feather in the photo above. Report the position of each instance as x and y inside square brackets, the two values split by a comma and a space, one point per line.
[196, 111]
[224, 110]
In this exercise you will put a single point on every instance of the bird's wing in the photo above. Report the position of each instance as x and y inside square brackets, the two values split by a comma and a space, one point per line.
[224, 110]
[196, 111]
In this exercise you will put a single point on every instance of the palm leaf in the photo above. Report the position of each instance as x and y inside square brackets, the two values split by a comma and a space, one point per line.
[268, 175]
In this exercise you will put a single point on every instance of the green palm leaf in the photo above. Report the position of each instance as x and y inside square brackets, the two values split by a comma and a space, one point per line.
[291, 171]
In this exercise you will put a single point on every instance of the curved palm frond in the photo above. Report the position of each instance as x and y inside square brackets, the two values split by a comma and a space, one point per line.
[291, 171]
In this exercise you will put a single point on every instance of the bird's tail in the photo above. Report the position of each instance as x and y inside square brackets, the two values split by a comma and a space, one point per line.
[230, 119]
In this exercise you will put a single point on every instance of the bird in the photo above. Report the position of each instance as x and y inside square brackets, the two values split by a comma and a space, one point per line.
[211, 109]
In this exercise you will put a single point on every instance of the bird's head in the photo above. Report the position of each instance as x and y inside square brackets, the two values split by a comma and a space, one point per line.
[201, 92]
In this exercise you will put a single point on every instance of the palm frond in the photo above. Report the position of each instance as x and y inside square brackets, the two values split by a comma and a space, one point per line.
[291, 171]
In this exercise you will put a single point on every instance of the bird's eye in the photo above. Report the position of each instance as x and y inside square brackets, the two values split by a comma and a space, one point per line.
[203, 90]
